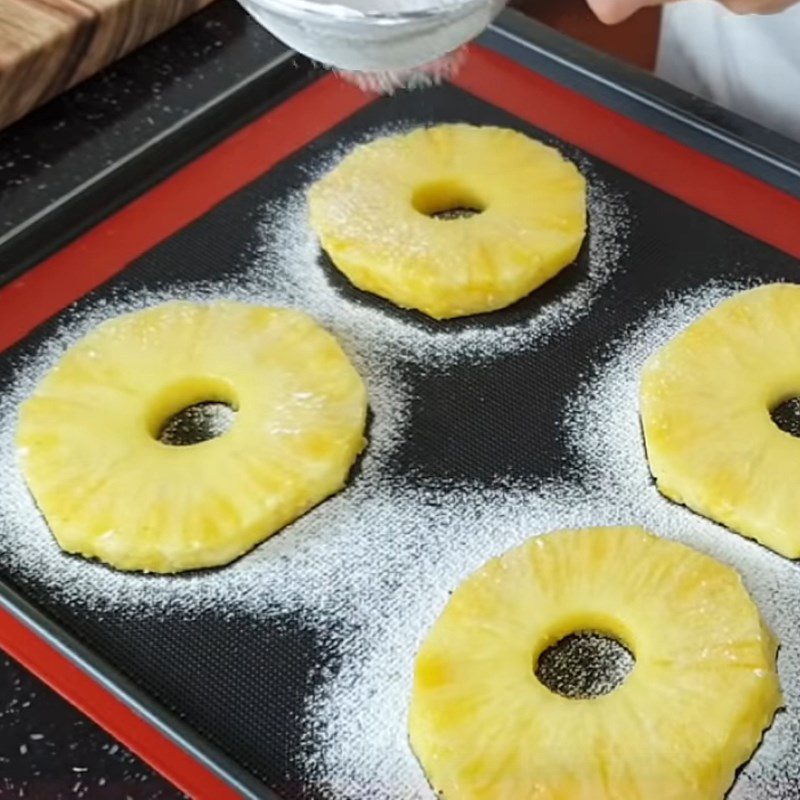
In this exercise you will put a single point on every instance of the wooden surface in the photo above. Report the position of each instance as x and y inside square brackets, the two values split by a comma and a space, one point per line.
[47, 46]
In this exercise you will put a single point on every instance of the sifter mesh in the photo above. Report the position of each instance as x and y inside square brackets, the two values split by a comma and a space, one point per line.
[380, 45]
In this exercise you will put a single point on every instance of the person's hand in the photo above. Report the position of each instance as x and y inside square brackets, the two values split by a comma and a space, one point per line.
[613, 11]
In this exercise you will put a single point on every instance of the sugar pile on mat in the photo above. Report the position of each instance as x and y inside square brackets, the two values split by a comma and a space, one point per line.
[289, 255]
[281, 269]
[584, 665]
[374, 563]
[357, 734]
[608, 449]
[27, 545]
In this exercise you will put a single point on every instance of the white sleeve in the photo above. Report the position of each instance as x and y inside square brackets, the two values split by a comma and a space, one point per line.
[750, 64]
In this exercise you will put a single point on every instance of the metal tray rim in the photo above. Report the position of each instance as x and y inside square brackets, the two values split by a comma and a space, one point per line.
[635, 94]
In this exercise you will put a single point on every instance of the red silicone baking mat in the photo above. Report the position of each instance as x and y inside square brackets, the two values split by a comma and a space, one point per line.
[287, 688]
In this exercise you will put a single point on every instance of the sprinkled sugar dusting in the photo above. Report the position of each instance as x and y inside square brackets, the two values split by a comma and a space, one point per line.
[289, 263]
[373, 566]
[585, 664]
[197, 423]
[284, 270]
[26, 542]
[356, 733]
[607, 443]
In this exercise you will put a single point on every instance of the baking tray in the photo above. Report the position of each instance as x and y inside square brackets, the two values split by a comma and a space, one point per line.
[221, 692]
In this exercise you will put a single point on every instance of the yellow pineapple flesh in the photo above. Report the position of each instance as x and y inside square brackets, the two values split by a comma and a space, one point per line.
[702, 690]
[376, 216]
[706, 401]
[88, 437]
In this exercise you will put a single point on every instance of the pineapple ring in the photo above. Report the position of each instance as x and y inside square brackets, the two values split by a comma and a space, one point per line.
[702, 690]
[108, 488]
[375, 215]
[706, 400]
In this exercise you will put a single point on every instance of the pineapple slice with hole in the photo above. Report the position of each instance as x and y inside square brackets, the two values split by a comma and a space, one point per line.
[707, 401]
[110, 488]
[702, 690]
[451, 220]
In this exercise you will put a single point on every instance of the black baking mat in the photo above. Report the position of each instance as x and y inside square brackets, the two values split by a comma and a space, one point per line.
[242, 682]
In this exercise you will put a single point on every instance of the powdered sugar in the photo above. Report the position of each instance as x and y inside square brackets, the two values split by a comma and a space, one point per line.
[375, 564]
[27, 544]
[289, 262]
[283, 269]
[439, 70]
[585, 664]
[197, 423]
[357, 720]
[610, 457]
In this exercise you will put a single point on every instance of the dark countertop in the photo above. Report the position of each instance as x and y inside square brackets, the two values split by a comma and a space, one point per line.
[71, 139]
[48, 749]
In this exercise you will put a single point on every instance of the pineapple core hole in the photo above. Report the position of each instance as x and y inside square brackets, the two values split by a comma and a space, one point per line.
[584, 664]
[786, 416]
[197, 423]
[446, 201]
